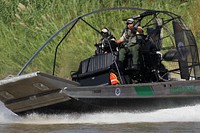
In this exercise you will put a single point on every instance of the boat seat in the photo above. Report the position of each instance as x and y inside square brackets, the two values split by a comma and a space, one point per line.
[171, 55]
[93, 66]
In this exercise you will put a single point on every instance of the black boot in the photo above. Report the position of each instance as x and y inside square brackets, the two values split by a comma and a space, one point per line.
[121, 66]
[135, 67]
[124, 73]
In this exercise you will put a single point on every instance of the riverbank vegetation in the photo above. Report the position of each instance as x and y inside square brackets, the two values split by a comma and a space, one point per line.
[27, 24]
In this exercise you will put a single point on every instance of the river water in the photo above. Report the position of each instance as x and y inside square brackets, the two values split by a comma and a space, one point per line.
[183, 119]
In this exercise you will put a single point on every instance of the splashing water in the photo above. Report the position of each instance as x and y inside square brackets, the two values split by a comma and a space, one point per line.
[6, 116]
[182, 114]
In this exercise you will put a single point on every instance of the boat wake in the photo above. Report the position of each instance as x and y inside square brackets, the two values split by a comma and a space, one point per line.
[182, 114]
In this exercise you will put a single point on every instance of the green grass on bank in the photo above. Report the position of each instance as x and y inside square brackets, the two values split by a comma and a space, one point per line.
[27, 24]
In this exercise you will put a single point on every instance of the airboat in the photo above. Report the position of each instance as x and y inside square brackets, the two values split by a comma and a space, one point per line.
[168, 75]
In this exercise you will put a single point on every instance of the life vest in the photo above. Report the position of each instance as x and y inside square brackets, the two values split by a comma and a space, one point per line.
[113, 79]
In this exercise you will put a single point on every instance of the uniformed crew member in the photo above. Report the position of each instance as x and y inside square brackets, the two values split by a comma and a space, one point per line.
[131, 46]
[106, 40]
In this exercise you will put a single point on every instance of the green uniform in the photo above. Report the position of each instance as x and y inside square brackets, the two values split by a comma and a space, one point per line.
[131, 46]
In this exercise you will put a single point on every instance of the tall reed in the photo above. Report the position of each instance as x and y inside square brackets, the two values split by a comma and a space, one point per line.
[27, 24]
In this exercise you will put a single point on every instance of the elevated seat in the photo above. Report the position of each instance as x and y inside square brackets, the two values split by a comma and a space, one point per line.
[171, 55]
[94, 70]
